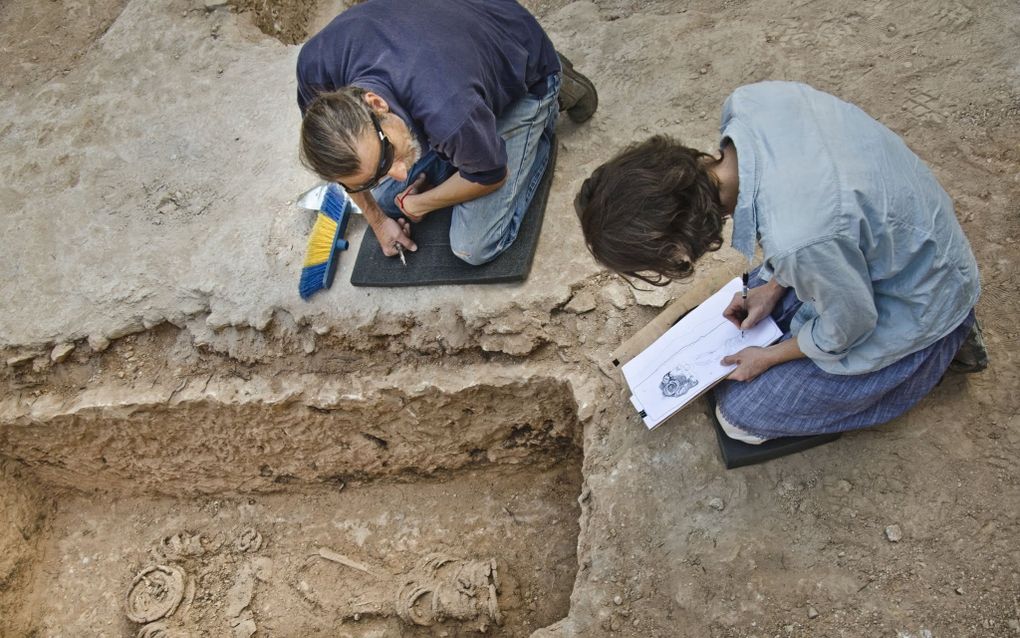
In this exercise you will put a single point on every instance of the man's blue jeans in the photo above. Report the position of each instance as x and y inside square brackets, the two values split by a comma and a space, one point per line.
[483, 228]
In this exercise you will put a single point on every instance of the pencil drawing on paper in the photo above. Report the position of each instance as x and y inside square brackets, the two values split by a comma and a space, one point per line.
[677, 382]
[687, 359]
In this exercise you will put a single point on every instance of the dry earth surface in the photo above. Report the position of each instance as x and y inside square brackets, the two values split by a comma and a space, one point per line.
[187, 449]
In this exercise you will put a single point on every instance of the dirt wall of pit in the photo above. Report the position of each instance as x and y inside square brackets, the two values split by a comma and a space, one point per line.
[260, 434]
[22, 513]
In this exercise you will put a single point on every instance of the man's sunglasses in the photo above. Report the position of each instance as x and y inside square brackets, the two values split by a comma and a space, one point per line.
[385, 159]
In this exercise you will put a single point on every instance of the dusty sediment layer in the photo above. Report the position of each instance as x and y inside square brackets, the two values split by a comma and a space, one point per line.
[23, 508]
[324, 561]
[238, 435]
[158, 243]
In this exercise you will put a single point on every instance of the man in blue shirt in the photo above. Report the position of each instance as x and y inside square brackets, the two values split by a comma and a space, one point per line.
[865, 266]
[419, 106]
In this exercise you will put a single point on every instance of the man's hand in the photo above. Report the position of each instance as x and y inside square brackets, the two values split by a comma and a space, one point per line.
[405, 200]
[750, 362]
[391, 232]
[760, 302]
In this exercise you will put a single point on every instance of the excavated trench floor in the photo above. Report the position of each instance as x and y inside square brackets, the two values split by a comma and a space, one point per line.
[364, 560]
[339, 516]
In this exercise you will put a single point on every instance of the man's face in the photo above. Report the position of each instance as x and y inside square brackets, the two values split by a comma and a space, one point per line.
[387, 149]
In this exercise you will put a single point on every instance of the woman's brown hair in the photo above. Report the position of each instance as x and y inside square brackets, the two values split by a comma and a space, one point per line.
[652, 211]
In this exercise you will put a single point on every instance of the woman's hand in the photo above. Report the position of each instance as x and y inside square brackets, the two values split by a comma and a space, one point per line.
[753, 361]
[750, 363]
[760, 302]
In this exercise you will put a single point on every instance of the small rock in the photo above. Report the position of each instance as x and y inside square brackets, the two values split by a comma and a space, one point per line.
[812, 612]
[617, 599]
[615, 624]
[581, 303]
[212, 5]
[98, 343]
[716, 503]
[1014, 624]
[654, 296]
[18, 359]
[61, 352]
[959, 591]
[893, 533]
[618, 294]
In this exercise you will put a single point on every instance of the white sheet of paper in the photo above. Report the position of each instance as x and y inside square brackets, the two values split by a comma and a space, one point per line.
[680, 364]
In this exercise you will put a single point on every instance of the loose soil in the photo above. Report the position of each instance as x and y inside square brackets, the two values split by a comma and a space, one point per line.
[211, 453]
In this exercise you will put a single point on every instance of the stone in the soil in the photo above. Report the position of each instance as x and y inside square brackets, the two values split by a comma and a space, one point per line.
[18, 359]
[240, 594]
[61, 352]
[893, 533]
[618, 294]
[812, 612]
[581, 303]
[716, 503]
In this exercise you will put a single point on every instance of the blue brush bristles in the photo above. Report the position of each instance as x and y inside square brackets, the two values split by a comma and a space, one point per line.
[313, 279]
[336, 206]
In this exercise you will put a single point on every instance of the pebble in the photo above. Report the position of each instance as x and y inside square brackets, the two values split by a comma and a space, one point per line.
[959, 590]
[581, 303]
[61, 352]
[812, 612]
[18, 359]
[716, 503]
[618, 294]
[893, 533]
[617, 599]
[98, 343]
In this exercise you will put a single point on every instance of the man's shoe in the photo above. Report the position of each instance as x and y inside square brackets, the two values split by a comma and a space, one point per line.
[577, 94]
[972, 356]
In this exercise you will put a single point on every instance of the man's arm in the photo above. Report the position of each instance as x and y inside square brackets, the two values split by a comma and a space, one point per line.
[388, 231]
[454, 190]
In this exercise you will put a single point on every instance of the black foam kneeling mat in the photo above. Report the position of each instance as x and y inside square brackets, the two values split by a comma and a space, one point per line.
[434, 264]
[737, 454]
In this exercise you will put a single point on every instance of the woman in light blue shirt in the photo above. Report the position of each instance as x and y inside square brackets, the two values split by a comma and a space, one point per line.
[865, 267]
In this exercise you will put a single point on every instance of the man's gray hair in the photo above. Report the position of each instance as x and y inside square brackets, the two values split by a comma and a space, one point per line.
[332, 125]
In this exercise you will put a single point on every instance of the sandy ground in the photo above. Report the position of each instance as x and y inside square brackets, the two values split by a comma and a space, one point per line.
[151, 248]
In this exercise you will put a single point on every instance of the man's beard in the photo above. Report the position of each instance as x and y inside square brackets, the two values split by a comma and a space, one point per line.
[414, 151]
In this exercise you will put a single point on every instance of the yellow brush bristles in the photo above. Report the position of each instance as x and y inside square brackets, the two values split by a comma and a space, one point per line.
[321, 241]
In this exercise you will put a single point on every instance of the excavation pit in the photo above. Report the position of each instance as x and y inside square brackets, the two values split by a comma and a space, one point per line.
[398, 510]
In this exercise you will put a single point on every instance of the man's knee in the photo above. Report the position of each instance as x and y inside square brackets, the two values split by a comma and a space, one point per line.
[474, 252]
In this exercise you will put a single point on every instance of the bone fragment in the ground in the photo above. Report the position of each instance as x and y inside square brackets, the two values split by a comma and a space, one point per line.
[155, 593]
[439, 588]
[330, 555]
